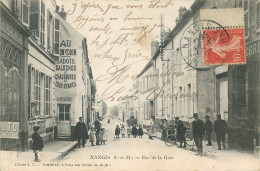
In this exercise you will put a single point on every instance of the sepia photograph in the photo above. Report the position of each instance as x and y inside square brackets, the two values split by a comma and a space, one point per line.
[122, 85]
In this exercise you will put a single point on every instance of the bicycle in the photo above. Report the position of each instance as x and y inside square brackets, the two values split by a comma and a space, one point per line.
[171, 139]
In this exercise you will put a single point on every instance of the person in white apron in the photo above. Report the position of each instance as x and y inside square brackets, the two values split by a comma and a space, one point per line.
[151, 129]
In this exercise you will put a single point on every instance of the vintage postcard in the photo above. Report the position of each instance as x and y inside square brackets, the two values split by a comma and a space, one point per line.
[130, 85]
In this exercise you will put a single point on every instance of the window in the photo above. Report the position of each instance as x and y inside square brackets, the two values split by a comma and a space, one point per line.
[37, 95]
[47, 99]
[244, 4]
[64, 112]
[258, 17]
[25, 12]
[88, 86]
[49, 32]
[37, 20]
[34, 18]
[42, 29]
[189, 100]
[56, 36]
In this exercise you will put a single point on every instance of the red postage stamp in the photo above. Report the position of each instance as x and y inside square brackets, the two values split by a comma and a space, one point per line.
[219, 48]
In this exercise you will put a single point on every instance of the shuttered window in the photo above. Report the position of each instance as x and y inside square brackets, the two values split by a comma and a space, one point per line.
[34, 18]
[49, 32]
[25, 12]
[56, 36]
[42, 29]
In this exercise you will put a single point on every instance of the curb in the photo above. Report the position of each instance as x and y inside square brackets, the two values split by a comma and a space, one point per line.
[65, 150]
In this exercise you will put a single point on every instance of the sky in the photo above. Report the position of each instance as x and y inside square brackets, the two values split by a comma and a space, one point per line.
[119, 35]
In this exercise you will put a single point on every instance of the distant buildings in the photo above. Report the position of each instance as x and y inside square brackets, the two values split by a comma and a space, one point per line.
[168, 87]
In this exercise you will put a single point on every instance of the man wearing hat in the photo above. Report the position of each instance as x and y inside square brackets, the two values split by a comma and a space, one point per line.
[181, 130]
[81, 132]
[209, 130]
[220, 128]
[98, 127]
[198, 130]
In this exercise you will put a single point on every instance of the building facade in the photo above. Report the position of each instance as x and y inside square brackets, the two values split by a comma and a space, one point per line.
[50, 59]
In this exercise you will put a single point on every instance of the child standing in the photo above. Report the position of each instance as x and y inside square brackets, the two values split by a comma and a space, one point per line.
[92, 136]
[129, 131]
[123, 131]
[104, 136]
[140, 131]
[117, 131]
[37, 144]
[134, 131]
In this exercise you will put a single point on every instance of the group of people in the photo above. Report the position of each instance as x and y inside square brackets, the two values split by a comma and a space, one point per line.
[96, 135]
[199, 128]
[130, 131]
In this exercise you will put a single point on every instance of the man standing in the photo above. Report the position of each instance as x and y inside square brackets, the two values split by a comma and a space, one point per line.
[81, 132]
[220, 128]
[209, 130]
[181, 130]
[98, 127]
[198, 129]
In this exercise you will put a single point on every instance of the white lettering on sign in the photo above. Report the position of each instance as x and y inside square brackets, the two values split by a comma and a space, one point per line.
[9, 130]
[253, 48]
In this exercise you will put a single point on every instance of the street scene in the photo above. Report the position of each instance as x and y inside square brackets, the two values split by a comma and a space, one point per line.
[129, 85]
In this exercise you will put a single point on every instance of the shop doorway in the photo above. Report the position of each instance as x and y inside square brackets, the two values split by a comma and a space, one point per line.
[64, 129]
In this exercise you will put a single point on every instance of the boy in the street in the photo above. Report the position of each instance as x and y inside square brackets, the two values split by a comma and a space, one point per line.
[209, 130]
[220, 128]
[37, 144]
[92, 136]
[129, 131]
[140, 131]
[117, 131]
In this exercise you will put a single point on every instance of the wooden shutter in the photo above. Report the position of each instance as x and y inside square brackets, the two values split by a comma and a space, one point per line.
[25, 13]
[34, 17]
[56, 36]
[49, 31]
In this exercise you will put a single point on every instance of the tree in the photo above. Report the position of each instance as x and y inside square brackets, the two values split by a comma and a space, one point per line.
[114, 110]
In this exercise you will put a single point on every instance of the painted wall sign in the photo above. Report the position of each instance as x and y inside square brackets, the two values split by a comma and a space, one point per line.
[63, 99]
[9, 130]
[66, 66]
[253, 48]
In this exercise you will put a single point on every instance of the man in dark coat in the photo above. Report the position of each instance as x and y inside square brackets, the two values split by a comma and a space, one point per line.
[220, 128]
[209, 130]
[134, 131]
[181, 130]
[98, 129]
[198, 130]
[81, 132]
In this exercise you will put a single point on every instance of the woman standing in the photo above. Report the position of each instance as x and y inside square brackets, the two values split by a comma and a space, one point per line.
[151, 129]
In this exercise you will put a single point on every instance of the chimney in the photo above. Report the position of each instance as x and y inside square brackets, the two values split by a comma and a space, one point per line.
[57, 9]
[154, 47]
[62, 13]
[182, 11]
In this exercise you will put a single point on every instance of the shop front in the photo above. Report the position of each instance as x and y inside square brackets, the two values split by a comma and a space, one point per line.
[13, 62]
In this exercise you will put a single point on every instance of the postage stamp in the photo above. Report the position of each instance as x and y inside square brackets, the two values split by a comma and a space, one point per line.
[218, 50]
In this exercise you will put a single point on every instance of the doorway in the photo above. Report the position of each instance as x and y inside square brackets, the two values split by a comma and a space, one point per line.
[64, 129]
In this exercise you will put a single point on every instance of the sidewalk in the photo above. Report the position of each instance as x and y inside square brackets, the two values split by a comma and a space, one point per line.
[212, 151]
[52, 151]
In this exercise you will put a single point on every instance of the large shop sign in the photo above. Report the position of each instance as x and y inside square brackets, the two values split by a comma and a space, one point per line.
[66, 66]
[253, 48]
[9, 130]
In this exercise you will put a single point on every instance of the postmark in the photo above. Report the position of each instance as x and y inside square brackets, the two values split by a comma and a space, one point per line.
[191, 48]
